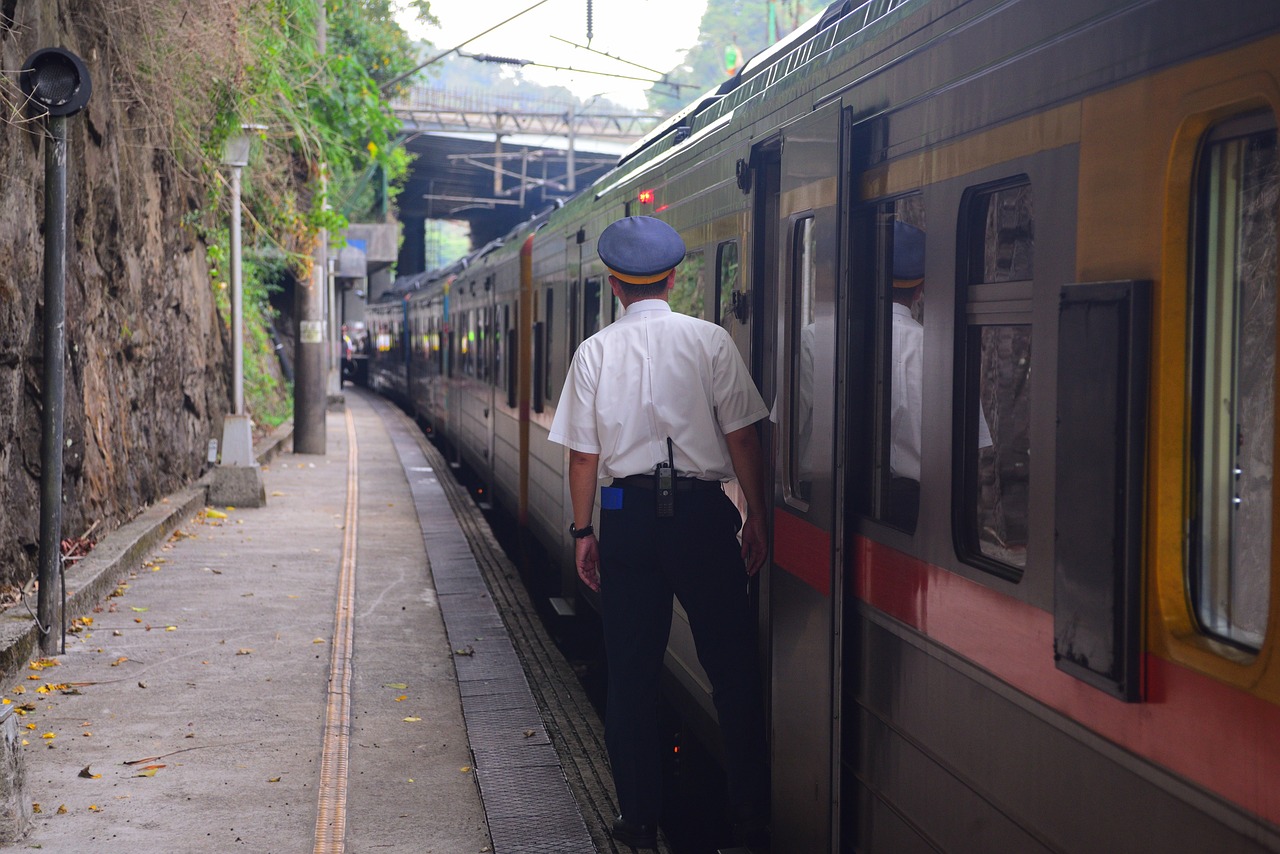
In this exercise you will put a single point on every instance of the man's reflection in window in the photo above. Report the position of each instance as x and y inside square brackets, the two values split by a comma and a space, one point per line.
[902, 503]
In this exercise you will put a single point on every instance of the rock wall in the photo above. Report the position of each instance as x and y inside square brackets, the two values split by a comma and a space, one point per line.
[147, 356]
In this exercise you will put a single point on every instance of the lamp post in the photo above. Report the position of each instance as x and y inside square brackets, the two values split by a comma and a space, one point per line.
[57, 85]
[238, 479]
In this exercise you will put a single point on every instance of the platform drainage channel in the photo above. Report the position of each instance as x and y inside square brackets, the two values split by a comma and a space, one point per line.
[527, 801]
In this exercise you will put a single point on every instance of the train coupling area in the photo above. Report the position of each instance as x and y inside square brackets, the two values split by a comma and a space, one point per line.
[353, 666]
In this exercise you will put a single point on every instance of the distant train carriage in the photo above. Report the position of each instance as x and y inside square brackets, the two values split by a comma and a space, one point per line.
[1049, 621]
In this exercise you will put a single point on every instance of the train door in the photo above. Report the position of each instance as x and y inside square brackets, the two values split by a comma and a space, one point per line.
[803, 584]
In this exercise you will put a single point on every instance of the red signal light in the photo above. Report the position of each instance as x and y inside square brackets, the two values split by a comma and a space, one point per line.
[646, 197]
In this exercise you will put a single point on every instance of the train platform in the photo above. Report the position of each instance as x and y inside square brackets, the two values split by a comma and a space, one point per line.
[353, 667]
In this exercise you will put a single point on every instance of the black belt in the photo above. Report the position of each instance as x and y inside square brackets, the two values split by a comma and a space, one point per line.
[683, 484]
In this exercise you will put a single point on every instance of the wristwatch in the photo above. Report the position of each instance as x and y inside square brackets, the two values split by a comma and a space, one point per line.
[579, 533]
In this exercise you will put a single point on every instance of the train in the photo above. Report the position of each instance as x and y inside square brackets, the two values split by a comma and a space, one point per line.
[1068, 642]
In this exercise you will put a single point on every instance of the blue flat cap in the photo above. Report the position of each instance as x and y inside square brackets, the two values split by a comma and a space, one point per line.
[640, 250]
[908, 255]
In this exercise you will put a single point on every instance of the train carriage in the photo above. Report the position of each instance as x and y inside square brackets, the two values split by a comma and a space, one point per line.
[1055, 630]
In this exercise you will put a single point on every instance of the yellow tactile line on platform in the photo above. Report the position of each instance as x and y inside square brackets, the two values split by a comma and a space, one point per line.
[331, 818]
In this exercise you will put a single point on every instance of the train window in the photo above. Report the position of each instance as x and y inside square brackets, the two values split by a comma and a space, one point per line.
[590, 307]
[728, 280]
[995, 409]
[547, 342]
[802, 330]
[1233, 380]
[687, 294]
[901, 229]
[502, 321]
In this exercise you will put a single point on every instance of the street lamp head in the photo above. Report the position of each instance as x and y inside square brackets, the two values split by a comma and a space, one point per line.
[236, 150]
[56, 82]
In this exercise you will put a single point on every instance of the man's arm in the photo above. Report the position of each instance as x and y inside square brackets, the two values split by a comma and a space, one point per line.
[583, 477]
[744, 453]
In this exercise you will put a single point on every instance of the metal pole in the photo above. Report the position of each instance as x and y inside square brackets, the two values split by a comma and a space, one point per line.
[48, 611]
[309, 363]
[237, 297]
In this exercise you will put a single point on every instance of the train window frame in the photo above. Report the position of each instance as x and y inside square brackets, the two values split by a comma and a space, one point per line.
[725, 295]
[1218, 339]
[548, 348]
[987, 300]
[592, 300]
[800, 304]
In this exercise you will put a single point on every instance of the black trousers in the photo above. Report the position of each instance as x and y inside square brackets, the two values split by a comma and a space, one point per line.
[694, 555]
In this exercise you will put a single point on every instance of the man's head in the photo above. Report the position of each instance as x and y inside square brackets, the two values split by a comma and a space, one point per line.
[908, 262]
[641, 253]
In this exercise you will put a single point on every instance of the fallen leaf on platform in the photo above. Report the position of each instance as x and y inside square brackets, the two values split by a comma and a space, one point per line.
[48, 736]
[244, 652]
[277, 494]
[136, 608]
[210, 513]
[35, 808]
[148, 770]
[170, 628]
[273, 779]
[529, 733]
[319, 640]
[466, 650]
[94, 808]
[18, 689]
[87, 734]
[399, 685]
[142, 684]
[30, 726]
[412, 720]
[88, 774]
[42, 663]
[402, 697]
[465, 768]
[62, 809]
[119, 661]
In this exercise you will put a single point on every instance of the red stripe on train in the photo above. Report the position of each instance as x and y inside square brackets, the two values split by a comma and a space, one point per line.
[802, 550]
[1216, 735]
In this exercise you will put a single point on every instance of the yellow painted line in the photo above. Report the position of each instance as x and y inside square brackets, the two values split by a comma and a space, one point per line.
[331, 817]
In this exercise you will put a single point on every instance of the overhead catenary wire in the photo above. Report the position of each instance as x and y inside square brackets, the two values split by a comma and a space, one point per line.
[394, 80]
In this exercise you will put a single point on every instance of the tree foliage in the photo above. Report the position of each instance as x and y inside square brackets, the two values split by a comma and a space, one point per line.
[727, 23]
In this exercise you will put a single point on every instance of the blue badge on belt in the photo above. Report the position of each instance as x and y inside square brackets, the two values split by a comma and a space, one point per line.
[610, 498]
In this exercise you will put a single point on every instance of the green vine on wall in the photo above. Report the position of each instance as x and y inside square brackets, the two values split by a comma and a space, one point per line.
[326, 126]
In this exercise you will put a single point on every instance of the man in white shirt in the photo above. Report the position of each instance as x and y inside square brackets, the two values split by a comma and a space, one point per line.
[663, 404]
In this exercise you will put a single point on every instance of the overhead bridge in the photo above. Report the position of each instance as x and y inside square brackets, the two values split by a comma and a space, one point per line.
[496, 160]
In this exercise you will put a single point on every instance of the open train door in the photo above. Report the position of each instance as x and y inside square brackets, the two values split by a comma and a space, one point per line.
[803, 584]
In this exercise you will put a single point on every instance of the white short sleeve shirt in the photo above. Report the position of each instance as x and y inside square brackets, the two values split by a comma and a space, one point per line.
[651, 375]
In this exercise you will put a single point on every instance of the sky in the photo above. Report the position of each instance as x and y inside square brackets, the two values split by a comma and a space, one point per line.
[652, 33]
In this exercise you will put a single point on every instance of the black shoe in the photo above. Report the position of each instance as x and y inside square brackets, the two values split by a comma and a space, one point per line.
[634, 834]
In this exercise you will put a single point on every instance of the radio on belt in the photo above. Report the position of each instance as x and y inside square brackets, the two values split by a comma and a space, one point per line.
[664, 475]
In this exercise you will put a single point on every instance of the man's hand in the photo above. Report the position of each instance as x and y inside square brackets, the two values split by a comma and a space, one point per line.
[586, 555]
[755, 543]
